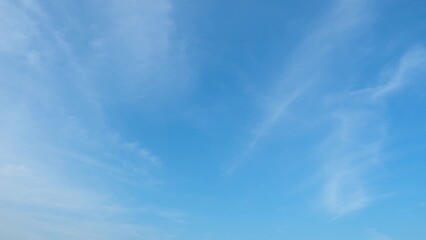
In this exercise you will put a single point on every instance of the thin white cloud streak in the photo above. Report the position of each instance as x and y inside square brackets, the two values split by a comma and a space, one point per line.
[26, 224]
[38, 199]
[147, 34]
[30, 97]
[172, 215]
[376, 235]
[143, 38]
[50, 147]
[355, 145]
[264, 128]
[304, 69]
[349, 152]
[412, 62]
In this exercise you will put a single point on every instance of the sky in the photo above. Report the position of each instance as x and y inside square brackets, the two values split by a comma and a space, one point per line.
[212, 120]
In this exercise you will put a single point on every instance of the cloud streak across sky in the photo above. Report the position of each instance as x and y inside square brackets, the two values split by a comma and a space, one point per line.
[355, 145]
[305, 67]
[100, 100]
[58, 154]
[352, 149]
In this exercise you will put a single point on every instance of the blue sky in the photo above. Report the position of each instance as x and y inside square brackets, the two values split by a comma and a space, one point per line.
[213, 120]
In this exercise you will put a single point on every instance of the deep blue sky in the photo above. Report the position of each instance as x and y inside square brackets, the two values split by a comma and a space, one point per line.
[212, 120]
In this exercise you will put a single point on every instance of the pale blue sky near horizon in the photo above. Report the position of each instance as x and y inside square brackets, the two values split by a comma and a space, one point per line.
[212, 120]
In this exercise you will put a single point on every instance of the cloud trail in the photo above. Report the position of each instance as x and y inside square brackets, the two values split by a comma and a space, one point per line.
[355, 146]
[304, 71]
[60, 161]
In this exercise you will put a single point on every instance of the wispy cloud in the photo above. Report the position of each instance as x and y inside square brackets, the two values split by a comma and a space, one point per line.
[141, 41]
[358, 128]
[376, 235]
[412, 62]
[59, 160]
[275, 115]
[351, 149]
[355, 145]
[304, 71]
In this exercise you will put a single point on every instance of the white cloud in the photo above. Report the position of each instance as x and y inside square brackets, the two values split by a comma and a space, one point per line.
[376, 235]
[59, 160]
[304, 71]
[275, 115]
[412, 62]
[16, 28]
[141, 41]
[349, 152]
[354, 147]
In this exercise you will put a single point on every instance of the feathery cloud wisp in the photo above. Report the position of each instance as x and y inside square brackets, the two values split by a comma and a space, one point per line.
[355, 145]
[59, 160]
[305, 69]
